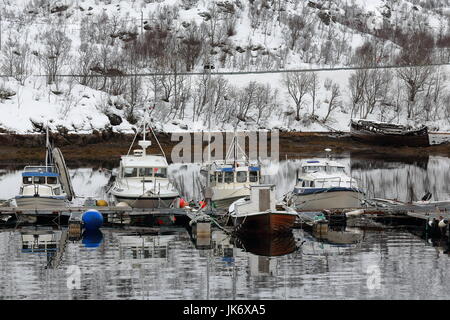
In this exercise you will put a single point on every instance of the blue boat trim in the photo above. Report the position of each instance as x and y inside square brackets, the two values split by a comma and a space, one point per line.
[233, 169]
[302, 191]
[40, 174]
[313, 161]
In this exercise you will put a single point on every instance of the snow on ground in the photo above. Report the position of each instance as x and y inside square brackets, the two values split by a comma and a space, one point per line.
[81, 109]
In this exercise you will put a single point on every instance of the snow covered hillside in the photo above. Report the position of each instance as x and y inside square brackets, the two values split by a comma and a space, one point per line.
[84, 65]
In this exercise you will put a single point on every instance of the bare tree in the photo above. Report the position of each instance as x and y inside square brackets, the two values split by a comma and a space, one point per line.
[297, 84]
[56, 52]
[334, 101]
[313, 88]
[296, 25]
[15, 60]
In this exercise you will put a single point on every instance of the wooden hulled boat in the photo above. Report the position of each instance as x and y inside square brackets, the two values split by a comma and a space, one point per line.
[388, 134]
[260, 214]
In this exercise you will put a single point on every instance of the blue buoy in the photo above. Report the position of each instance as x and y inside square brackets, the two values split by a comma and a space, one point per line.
[92, 219]
[92, 238]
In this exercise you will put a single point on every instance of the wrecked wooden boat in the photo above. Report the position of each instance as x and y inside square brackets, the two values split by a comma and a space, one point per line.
[387, 134]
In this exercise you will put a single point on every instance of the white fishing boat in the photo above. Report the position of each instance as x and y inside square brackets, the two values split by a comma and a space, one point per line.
[47, 186]
[232, 178]
[142, 180]
[324, 184]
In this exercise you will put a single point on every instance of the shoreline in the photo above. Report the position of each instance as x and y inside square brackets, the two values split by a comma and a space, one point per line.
[105, 148]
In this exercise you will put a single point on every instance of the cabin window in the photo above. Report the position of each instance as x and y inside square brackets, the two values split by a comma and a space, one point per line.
[253, 176]
[304, 184]
[52, 180]
[229, 177]
[212, 179]
[145, 172]
[130, 172]
[241, 176]
[39, 180]
[219, 177]
[27, 180]
[160, 172]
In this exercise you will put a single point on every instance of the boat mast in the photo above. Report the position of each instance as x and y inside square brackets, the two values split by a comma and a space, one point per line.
[46, 146]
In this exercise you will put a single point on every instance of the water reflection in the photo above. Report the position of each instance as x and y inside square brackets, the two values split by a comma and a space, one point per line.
[164, 264]
[403, 179]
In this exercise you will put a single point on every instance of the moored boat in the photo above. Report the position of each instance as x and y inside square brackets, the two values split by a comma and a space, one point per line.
[381, 133]
[47, 186]
[231, 179]
[323, 184]
[259, 213]
[142, 181]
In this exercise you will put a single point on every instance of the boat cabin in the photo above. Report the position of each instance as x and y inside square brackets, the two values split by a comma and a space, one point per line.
[41, 180]
[228, 175]
[143, 167]
[323, 174]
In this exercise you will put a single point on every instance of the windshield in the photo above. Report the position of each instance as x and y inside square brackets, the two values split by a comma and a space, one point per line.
[313, 168]
[160, 172]
[130, 172]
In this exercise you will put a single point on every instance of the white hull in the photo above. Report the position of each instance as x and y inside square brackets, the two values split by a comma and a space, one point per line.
[327, 200]
[225, 197]
[40, 203]
[147, 202]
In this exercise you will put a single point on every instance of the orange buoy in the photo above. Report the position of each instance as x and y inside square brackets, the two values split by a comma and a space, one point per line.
[183, 203]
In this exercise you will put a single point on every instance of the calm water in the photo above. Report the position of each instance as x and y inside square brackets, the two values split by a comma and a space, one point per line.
[166, 264]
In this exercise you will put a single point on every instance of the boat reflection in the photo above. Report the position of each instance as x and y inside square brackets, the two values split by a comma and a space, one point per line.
[46, 241]
[270, 245]
[142, 246]
[340, 236]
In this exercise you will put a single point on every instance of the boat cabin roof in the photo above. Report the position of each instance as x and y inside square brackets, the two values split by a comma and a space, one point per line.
[39, 171]
[321, 163]
[240, 168]
[144, 161]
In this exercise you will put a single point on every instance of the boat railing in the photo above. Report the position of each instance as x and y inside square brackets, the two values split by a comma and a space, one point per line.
[39, 169]
[340, 181]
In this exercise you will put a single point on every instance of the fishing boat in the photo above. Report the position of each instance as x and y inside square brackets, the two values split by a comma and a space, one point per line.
[142, 180]
[232, 178]
[381, 133]
[46, 186]
[324, 184]
[259, 213]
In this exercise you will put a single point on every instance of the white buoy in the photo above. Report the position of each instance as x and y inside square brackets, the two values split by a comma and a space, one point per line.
[354, 213]
[122, 204]
[442, 224]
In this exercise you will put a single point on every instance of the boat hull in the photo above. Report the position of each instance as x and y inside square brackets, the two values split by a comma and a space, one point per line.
[417, 138]
[264, 222]
[40, 202]
[327, 200]
[147, 202]
[223, 198]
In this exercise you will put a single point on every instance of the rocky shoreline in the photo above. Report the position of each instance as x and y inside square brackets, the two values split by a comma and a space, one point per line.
[106, 147]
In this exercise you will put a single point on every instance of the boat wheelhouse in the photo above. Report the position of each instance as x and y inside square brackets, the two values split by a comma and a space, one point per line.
[143, 181]
[324, 184]
[231, 179]
[41, 188]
